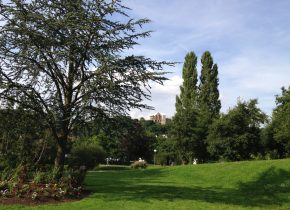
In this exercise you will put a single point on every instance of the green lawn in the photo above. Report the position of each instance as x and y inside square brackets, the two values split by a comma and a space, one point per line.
[238, 185]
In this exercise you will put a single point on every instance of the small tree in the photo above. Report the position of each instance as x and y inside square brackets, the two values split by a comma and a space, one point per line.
[66, 61]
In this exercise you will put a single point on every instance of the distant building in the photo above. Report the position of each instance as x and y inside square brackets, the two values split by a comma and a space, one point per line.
[160, 119]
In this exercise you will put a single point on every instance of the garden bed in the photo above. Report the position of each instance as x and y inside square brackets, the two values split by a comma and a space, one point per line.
[42, 200]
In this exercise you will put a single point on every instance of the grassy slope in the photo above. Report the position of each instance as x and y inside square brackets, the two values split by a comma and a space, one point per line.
[238, 185]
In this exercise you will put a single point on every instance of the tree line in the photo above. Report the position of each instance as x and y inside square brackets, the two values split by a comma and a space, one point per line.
[200, 131]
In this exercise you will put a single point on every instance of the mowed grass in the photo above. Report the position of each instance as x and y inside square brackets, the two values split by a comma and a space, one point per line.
[237, 185]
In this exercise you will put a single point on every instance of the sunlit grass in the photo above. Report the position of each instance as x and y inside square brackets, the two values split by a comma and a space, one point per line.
[237, 185]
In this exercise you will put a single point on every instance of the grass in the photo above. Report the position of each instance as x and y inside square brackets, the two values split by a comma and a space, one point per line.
[237, 185]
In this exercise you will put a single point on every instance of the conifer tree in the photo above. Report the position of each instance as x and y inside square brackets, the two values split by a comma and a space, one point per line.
[65, 60]
[184, 121]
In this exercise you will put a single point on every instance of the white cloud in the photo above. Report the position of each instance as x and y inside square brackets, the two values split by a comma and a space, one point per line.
[253, 75]
[170, 87]
[163, 98]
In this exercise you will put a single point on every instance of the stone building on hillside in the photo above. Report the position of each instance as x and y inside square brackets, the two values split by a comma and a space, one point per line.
[160, 119]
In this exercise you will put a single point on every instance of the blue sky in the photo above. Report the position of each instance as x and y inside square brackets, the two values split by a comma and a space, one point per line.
[249, 40]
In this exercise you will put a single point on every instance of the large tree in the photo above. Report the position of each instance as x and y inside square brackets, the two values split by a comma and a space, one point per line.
[66, 61]
[236, 135]
[281, 123]
[184, 122]
[208, 88]
[208, 98]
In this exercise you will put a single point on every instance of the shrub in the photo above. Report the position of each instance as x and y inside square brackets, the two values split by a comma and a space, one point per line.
[271, 155]
[73, 177]
[139, 164]
[88, 155]
[39, 177]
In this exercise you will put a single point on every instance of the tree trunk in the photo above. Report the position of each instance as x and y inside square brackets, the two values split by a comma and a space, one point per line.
[60, 158]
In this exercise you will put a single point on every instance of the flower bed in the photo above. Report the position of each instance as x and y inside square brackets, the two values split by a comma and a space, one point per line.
[39, 186]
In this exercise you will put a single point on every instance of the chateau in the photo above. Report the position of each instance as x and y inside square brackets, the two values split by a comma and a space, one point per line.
[160, 119]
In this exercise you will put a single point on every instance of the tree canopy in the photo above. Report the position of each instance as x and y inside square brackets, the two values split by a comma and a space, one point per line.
[236, 135]
[208, 88]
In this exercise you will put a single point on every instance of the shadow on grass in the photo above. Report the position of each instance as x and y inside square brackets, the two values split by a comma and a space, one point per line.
[271, 187]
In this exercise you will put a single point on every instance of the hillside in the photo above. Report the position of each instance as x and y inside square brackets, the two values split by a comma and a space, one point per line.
[237, 185]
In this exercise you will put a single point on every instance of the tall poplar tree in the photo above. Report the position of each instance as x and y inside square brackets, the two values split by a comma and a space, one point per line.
[208, 87]
[184, 121]
[208, 98]
[196, 107]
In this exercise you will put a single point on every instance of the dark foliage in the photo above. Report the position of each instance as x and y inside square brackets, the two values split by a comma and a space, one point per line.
[125, 139]
[24, 139]
[87, 155]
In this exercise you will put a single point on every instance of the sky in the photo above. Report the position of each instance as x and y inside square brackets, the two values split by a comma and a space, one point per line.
[249, 40]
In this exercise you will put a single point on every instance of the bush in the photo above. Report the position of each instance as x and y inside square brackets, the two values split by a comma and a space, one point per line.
[139, 164]
[73, 177]
[164, 158]
[271, 155]
[39, 177]
[88, 155]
